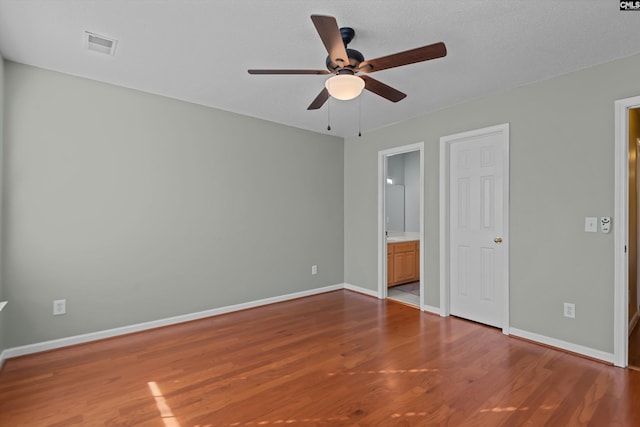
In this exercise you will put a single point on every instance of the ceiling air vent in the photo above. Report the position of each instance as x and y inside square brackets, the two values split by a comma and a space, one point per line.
[100, 44]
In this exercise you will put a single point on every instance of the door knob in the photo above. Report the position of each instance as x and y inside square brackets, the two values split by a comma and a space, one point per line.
[498, 240]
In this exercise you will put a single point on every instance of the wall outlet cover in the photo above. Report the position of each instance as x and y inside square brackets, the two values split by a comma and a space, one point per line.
[569, 310]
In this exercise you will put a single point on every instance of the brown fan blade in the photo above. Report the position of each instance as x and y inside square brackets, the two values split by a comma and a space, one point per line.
[320, 100]
[382, 89]
[424, 53]
[329, 32]
[288, 71]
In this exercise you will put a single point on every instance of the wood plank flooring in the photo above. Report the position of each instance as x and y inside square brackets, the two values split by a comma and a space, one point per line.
[634, 347]
[336, 359]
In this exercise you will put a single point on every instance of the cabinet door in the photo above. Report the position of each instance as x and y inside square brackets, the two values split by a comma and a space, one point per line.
[404, 262]
[390, 281]
[417, 272]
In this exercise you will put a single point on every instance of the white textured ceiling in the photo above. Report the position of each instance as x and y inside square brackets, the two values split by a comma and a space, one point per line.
[199, 51]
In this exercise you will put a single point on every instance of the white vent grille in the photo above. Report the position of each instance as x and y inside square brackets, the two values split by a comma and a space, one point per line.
[100, 44]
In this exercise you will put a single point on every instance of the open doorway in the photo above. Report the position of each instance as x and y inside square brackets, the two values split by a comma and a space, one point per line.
[402, 221]
[626, 264]
[401, 224]
[634, 210]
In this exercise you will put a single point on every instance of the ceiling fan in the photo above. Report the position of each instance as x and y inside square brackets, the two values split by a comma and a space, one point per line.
[347, 64]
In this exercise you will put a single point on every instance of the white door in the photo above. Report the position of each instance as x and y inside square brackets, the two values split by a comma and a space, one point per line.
[478, 224]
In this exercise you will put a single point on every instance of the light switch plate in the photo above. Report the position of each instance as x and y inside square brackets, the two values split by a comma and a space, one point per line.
[59, 307]
[591, 224]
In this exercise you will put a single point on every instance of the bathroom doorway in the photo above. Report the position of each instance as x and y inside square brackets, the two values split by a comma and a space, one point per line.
[401, 225]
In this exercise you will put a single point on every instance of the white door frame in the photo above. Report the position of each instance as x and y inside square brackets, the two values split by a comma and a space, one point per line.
[621, 232]
[382, 238]
[445, 150]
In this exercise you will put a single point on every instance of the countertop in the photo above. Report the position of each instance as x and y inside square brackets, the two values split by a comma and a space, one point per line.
[402, 236]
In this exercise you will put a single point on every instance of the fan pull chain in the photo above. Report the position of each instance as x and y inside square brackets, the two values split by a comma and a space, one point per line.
[329, 113]
[360, 115]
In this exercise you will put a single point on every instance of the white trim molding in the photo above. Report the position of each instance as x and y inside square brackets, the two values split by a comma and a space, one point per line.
[3, 357]
[382, 241]
[445, 149]
[430, 309]
[361, 290]
[94, 336]
[109, 333]
[563, 345]
[444, 228]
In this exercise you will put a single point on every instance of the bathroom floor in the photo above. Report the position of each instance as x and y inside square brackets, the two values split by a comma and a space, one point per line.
[408, 293]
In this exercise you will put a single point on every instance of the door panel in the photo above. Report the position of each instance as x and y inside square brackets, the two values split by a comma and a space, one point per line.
[477, 258]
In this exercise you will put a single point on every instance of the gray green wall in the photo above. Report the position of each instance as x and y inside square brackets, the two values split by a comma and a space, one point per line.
[135, 207]
[562, 169]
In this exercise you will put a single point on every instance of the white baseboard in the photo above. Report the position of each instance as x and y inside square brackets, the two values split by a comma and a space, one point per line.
[109, 333]
[563, 345]
[361, 290]
[634, 322]
[369, 292]
[431, 309]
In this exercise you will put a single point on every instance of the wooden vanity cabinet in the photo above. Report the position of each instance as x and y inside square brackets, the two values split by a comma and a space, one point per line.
[403, 262]
[389, 264]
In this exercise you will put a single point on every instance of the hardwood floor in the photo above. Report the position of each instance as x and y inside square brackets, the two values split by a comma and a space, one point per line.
[334, 359]
[634, 348]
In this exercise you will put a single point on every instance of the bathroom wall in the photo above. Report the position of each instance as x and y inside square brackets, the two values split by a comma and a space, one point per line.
[412, 191]
[404, 170]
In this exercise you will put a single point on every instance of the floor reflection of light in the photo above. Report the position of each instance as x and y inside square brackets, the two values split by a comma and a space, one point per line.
[290, 421]
[384, 371]
[163, 406]
[505, 409]
[515, 409]
[409, 414]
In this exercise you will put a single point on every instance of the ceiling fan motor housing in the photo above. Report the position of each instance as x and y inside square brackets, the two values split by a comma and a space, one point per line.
[347, 34]
[355, 57]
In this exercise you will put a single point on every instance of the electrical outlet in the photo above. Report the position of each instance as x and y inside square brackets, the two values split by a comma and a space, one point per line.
[569, 310]
[59, 307]
[314, 269]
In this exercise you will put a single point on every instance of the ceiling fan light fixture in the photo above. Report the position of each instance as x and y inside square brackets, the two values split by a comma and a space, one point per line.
[344, 86]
